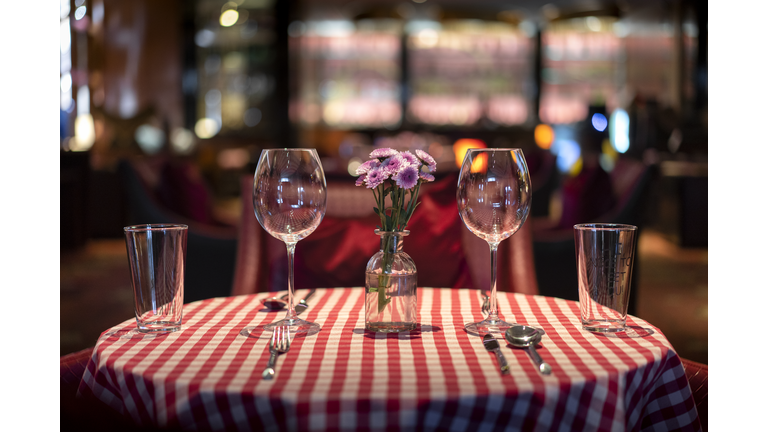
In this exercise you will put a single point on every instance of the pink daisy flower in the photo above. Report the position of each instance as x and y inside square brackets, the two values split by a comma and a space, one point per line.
[393, 164]
[375, 177]
[427, 159]
[407, 177]
[367, 166]
[410, 158]
[383, 153]
[426, 177]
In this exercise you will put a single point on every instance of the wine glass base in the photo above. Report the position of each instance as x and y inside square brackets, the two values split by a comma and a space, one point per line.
[493, 326]
[298, 326]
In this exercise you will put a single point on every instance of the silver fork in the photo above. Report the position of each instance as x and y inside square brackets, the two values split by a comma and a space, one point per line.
[280, 343]
[486, 303]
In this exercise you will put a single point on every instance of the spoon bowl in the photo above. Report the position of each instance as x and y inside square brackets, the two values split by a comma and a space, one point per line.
[522, 336]
[275, 303]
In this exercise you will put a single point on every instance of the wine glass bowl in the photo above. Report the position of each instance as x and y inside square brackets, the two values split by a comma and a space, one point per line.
[289, 201]
[493, 198]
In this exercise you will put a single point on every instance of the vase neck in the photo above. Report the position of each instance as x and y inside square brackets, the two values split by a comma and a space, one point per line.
[392, 242]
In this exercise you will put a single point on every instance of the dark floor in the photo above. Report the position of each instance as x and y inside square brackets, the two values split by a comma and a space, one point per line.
[672, 292]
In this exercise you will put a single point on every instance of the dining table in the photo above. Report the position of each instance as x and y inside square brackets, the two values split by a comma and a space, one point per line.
[208, 375]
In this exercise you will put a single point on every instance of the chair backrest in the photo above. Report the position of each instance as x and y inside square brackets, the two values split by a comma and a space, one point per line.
[211, 250]
[554, 249]
[336, 254]
[631, 180]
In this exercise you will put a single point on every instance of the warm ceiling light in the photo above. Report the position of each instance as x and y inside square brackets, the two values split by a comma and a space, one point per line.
[228, 18]
[461, 147]
[544, 136]
[206, 128]
[85, 133]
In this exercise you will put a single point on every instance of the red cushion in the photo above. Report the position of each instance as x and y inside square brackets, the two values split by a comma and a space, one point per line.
[72, 369]
[337, 253]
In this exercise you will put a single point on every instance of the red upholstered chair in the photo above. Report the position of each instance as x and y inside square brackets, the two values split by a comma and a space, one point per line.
[211, 249]
[335, 255]
[554, 248]
[697, 374]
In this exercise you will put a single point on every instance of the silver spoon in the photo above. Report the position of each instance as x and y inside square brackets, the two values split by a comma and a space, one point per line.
[491, 344]
[275, 303]
[522, 336]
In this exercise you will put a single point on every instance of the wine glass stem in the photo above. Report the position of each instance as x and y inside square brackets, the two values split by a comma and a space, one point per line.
[291, 314]
[493, 315]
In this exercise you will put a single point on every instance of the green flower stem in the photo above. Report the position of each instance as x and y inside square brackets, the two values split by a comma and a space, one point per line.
[399, 215]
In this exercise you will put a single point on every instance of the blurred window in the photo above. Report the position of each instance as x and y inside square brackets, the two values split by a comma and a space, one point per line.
[347, 75]
[465, 70]
[582, 64]
[234, 43]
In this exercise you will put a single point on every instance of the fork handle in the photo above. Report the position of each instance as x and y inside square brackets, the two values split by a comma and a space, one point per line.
[269, 371]
[272, 360]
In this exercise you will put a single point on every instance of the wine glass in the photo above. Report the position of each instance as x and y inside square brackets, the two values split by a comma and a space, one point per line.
[493, 197]
[289, 198]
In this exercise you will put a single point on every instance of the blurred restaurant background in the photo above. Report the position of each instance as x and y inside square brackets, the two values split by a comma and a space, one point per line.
[166, 106]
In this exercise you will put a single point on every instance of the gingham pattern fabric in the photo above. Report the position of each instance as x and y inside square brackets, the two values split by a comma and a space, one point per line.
[208, 376]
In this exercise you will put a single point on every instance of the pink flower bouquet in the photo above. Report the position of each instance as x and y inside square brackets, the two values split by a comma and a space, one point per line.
[397, 176]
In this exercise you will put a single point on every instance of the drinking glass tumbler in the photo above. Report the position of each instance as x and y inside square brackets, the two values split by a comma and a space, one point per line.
[156, 253]
[604, 254]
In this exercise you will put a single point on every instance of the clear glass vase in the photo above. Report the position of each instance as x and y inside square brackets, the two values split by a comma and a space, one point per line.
[390, 287]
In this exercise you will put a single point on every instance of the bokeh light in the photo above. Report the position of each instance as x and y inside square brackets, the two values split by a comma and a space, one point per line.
[352, 166]
[461, 147]
[85, 133]
[568, 153]
[233, 158]
[544, 136]
[599, 122]
[205, 38]
[206, 128]
[608, 156]
[149, 138]
[252, 117]
[182, 140]
[228, 18]
[618, 130]
[80, 12]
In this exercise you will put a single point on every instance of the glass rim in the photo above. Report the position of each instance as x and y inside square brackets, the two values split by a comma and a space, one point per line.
[604, 227]
[494, 149]
[155, 227]
[289, 149]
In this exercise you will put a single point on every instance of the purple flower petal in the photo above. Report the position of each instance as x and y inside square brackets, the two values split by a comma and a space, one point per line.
[427, 159]
[407, 177]
[426, 177]
[360, 180]
[393, 164]
[410, 158]
[375, 177]
[367, 166]
[383, 153]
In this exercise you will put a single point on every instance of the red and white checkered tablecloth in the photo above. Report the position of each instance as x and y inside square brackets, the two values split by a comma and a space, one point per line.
[208, 376]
